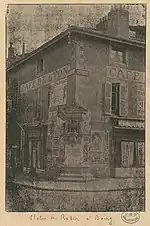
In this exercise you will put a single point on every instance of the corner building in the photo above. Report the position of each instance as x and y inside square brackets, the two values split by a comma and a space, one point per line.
[82, 100]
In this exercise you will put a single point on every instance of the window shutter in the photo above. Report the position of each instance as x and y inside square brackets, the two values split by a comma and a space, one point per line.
[108, 93]
[26, 152]
[38, 155]
[127, 151]
[22, 141]
[30, 153]
[140, 99]
[123, 102]
[140, 151]
[41, 102]
[35, 103]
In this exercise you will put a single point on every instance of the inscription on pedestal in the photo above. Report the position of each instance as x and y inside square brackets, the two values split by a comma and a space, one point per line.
[73, 155]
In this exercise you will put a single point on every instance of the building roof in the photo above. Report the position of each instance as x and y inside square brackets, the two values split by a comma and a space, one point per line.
[80, 30]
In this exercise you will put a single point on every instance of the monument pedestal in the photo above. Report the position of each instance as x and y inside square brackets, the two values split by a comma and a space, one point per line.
[74, 168]
[75, 174]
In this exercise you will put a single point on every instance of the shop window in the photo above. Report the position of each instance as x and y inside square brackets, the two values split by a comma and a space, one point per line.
[115, 99]
[132, 154]
[118, 55]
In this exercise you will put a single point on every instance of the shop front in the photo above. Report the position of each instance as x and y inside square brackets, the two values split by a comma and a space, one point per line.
[129, 148]
[35, 149]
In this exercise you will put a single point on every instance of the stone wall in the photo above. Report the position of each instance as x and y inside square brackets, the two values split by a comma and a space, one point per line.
[93, 61]
[92, 57]
[54, 58]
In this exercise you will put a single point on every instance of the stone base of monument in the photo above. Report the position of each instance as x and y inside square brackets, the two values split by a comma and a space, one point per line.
[75, 174]
[75, 167]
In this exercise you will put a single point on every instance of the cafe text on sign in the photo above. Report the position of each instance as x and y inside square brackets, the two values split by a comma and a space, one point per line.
[57, 75]
[122, 73]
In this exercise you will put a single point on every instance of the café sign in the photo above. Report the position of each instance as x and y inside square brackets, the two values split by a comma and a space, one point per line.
[123, 73]
[52, 77]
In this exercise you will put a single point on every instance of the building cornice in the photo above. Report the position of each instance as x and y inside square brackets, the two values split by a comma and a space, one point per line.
[101, 35]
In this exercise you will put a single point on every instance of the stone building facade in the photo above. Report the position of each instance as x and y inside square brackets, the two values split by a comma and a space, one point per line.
[82, 102]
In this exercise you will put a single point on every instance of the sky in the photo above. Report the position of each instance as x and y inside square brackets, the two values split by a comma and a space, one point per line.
[36, 24]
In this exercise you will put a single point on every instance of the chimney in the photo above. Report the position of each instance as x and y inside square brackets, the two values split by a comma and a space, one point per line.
[118, 21]
[11, 52]
[103, 24]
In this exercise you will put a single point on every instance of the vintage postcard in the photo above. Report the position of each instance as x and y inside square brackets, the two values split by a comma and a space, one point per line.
[76, 113]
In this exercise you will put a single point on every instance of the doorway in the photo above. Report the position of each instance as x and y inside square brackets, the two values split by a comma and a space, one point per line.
[36, 155]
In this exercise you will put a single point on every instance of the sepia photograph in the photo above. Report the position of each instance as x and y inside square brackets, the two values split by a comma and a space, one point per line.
[75, 107]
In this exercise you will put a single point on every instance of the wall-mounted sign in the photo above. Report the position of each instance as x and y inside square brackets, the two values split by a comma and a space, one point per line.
[59, 93]
[52, 77]
[34, 133]
[131, 124]
[122, 73]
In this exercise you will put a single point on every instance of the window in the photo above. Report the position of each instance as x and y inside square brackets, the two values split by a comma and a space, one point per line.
[37, 104]
[48, 99]
[132, 154]
[40, 65]
[118, 55]
[115, 99]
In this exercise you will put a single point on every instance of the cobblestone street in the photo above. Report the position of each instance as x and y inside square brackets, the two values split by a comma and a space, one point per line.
[92, 196]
